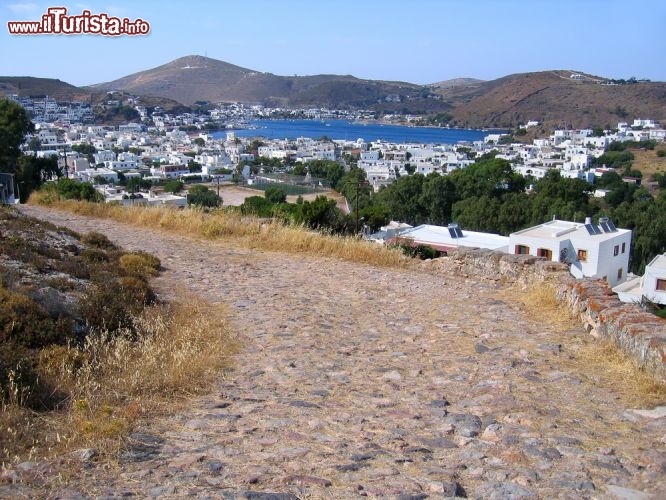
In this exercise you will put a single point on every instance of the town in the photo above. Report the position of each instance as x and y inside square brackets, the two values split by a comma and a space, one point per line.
[163, 147]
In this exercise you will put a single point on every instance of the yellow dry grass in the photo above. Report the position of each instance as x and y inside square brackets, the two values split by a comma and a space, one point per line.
[648, 162]
[634, 385]
[115, 381]
[595, 359]
[249, 232]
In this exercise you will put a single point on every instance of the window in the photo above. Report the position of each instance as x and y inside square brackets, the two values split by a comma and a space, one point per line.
[624, 247]
[545, 252]
[661, 285]
[616, 250]
[522, 250]
[619, 274]
[582, 255]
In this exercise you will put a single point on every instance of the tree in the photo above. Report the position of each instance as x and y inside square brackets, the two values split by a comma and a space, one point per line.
[201, 196]
[257, 206]
[14, 126]
[75, 190]
[437, 197]
[275, 195]
[403, 199]
[31, 172]
[34, 144]
[199, 141]
[174, 186]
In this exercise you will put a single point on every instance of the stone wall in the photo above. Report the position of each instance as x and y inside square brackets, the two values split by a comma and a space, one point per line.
[602, 314]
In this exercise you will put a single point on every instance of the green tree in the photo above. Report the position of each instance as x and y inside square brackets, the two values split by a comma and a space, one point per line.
[275, 195]
[14, 126]
[174, 186]
[438, 194]
[322, 213]
[403, 199]
[201, 196]
[257, 206]
[75, 190]
[31, 172]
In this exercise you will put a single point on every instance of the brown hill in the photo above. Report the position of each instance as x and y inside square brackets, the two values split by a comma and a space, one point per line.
[196, 78]
[28, 86]
[456, 82]
[555, 99]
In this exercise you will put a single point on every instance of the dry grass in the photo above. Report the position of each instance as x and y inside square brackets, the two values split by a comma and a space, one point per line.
[540, 300]
[247, 231]
[648, 162]
[632, 384]
[112, 382]
[595, 359]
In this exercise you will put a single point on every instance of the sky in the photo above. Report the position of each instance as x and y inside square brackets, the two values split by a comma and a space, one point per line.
[417, 41]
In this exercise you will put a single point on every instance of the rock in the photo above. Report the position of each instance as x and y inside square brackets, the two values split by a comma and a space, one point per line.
[465, 424]
[504, 491]
[298, 403]
[444, 488]
[658, 412]
[259, 495]
[620, 493]
[308, 481]
[85, 455]
[492, 433]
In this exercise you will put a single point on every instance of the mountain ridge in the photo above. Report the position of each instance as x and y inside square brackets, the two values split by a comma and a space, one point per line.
[555, 98]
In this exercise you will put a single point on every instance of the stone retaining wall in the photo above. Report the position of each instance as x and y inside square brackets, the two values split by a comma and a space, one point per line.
[603, 315]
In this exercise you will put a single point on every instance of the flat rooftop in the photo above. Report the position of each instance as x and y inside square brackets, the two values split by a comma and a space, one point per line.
[439, 236]
[659, 262]
[562, 229]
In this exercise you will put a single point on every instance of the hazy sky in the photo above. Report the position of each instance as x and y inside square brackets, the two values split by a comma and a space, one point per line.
[419, 41]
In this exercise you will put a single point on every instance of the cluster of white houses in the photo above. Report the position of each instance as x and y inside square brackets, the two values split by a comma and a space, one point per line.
[593, 249]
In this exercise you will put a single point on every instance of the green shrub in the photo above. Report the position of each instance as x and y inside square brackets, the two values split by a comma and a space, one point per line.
[98, 240]
[112, 304]
[139, 264]
[26, 323]
[95, 255]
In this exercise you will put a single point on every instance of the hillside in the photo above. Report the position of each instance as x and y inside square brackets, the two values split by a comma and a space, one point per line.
[28, 86]
[196, 78]
[554, 99]
[550, 97]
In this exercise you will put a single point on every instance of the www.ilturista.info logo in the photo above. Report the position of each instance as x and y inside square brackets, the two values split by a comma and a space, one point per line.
[57, 22]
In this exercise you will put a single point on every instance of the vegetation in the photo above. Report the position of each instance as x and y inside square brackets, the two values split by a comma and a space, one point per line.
[237, 226]
[82, 377]
[30, 172]
[202, 196]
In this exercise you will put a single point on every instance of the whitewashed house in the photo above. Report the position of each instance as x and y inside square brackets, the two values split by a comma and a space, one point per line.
[8, 192]
[651, 286]
[593, 251]
[447, 238]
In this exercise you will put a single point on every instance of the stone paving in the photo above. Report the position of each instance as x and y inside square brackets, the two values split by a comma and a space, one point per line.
[359, 381]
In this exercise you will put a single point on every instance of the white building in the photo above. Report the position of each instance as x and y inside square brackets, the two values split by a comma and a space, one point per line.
[652, 285]
[593, 251]
[8, 192]
[445, 238]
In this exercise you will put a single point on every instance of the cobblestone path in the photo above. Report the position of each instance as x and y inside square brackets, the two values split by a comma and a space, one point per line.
[361, 381]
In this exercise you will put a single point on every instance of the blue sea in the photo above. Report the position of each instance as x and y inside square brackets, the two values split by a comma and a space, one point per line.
[345, 130]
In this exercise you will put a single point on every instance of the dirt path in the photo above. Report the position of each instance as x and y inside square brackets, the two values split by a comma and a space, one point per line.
[357, 381]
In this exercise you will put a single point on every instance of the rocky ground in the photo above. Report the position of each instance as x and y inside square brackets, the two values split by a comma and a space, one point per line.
[358, 381]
